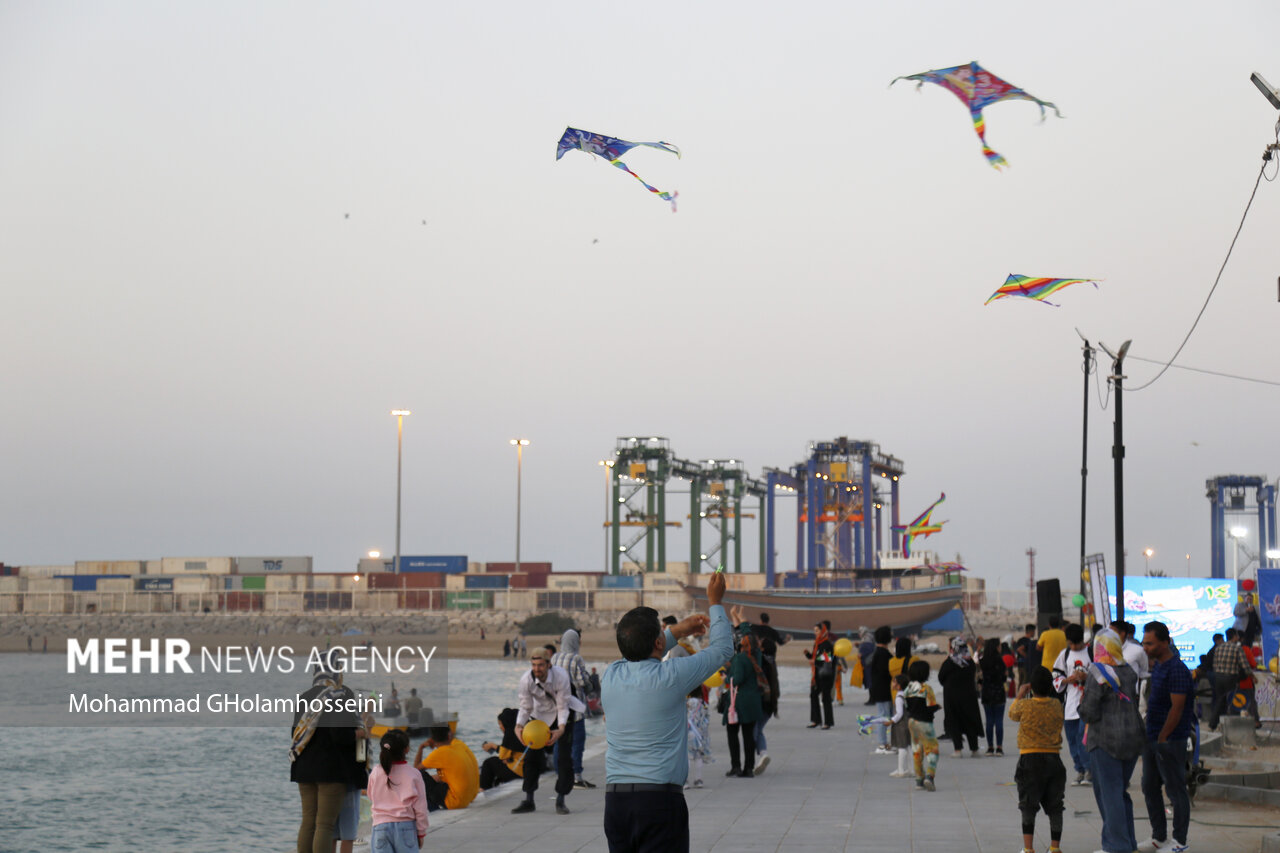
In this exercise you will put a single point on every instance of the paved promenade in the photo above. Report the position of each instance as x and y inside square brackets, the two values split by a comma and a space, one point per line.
[824, 791]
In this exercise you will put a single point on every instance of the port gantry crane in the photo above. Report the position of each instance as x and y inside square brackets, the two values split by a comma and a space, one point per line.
[838, 510]
[1228, 493]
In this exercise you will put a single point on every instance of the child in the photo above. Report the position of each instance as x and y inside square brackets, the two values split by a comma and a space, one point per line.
[699, 719]
[900, 731]
[1041, 777]
[921, 706]
[398, 798]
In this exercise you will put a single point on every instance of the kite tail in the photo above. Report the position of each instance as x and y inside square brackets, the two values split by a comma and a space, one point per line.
[993, 156]
[665, 196]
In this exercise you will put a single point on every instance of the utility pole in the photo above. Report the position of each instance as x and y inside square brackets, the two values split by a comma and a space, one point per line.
[1031, 580]
[1117, 454]
[1084, 469]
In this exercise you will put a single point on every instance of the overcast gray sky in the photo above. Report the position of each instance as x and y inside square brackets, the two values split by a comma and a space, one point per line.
[232, 238]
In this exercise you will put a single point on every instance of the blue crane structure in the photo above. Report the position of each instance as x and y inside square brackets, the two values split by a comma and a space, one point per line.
[1230, 493]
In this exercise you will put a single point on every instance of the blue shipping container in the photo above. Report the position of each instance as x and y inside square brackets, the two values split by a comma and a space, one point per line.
[486, 581]
[153, 584]
[621, 582]
[448, 565]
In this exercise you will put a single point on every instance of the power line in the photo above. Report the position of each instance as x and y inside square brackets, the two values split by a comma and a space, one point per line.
[1202, 370]
[1216, 280]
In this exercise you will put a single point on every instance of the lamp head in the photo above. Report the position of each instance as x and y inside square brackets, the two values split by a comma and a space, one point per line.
[1268, 91]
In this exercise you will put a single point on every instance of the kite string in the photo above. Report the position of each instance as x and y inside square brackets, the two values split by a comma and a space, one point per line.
[1216, 280]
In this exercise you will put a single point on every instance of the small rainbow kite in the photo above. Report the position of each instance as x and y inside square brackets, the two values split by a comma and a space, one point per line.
[1035, 288]
[611, 149]
[922, 526]
[978, 88]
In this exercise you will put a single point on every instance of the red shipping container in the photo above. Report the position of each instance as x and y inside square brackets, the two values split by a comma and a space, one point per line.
[536, 581]
[509, 568]
[407, 580]
[518, 581]
[420, 599]
[240, 601]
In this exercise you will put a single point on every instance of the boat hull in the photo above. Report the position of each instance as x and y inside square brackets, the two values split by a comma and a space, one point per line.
[796, 611]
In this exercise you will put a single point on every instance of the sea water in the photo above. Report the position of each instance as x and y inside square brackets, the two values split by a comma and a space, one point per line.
[198, 789]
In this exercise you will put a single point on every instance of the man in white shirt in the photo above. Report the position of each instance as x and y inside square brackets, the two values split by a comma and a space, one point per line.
[545, 695]
[1069, 675]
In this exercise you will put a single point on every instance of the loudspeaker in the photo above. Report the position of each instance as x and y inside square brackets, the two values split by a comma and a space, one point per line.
[1048, 596]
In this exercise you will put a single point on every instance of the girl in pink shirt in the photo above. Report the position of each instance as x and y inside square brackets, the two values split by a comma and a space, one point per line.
[398, 798]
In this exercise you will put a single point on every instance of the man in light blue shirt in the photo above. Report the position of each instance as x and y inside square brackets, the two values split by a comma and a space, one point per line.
[645, 724]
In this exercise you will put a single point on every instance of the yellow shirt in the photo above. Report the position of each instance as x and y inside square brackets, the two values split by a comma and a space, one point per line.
[897, 666]
[458, 769]
[1040, 724]
[1052, 642]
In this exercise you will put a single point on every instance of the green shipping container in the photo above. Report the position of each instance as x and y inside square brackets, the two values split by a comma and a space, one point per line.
[251, 582]
[470, 599]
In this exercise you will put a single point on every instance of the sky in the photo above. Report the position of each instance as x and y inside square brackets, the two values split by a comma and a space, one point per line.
[233, 238]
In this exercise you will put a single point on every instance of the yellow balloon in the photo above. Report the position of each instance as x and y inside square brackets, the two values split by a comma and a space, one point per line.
[843, 648]
[714, 681]
[536, 734]
[1274, 666]
[1084, 575]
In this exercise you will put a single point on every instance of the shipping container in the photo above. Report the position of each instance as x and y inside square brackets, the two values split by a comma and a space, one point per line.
[475, 568]
[414, 580]
[50, 584]
[153, 567]
[621, 582]
[267, 565]
[195, 566]
[326, 601]
[280, 582]
[323, 583]
[108, 567]
[420, 599]
[153, 584]
[509, 568]
[566, 581]
[370, 566]
[448, 565]
[11, 603]
[12, 583]
[197, 584]
[564, 600]
[455, 582]
[249, 582]
[115, 584]
[485, 581]
[516, 599]
[45, 571]
[659, 580]
[471, 599]
[282, 601]
[240, 601]
[536, 581]
[616, 599]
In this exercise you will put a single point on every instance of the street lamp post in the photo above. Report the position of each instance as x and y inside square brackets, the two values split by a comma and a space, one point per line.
[1147, 553]
[1237, 533]
[400, 416]
[607, 464]
[519, 444]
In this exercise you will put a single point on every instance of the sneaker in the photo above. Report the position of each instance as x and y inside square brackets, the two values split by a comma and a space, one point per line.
[1175, 847]
[562, 809]
[582, 784]
[733, 771]
[697, 783]
[901, 774]
[1151, 844]
[999, 750]
[688, 785]
[524, 808]
[928, 784]
[747, 774]
[761, 763]
[1080, 780]
[885, 750]
[919, 784]
[991, 750]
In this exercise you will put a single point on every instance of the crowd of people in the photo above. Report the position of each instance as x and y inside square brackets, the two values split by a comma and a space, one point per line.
[1112, 699]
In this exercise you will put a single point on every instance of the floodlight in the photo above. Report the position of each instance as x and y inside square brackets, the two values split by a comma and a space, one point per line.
[1268, 91]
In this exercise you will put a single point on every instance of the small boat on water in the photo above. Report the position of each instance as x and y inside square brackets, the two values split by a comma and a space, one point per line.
[905, 596]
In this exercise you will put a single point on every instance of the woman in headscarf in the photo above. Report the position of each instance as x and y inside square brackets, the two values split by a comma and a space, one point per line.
[322, 759]
[822, 677]
[1114, 736]
[993, 674]
[957, 675]
[506, 762]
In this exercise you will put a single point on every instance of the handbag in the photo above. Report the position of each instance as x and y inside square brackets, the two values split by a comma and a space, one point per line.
[722, 704]
[733, 704]
[856, 674]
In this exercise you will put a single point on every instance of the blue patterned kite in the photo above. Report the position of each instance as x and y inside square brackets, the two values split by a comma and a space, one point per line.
[612, 149]
[978, 88]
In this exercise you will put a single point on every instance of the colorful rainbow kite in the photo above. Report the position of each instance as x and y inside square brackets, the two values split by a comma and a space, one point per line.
[1035, 288]
[922, 526]
[978, 88]
[611, 149]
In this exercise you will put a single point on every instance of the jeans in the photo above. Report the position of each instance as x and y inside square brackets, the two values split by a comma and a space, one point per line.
[883, 709]
[995, 725]
[1074, 730]
[1111, 793]
[321, 802]
[579, 743]
[398, 837]
[1166, 764]
[761, 744]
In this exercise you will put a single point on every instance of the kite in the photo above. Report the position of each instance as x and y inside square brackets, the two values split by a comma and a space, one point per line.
[978, 88]
[1035, 288]
[922, 526]
[612, 149]
[866, 721]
